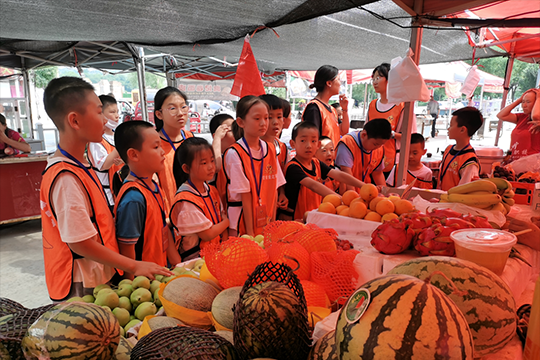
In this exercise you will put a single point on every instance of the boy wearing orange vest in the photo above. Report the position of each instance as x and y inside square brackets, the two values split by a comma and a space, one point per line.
[416, 170]
[103, 155]
[275, 126]
[361, 153]
[304, 173]
[141, 227]
[327, 154]
[79, 244]
[460, 164]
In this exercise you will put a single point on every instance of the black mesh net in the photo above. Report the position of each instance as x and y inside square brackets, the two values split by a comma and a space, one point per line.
[8, 306]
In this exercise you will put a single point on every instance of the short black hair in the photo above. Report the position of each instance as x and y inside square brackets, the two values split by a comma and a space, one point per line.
[63, 95]
[378, 129]
[217, 120]
[286, 107]
[470, 117]
[128, 135]
[335, 105]
[303, 125]
[382, 69]
[417, 138]
[186, 154]
[274, 103]
[107, 100]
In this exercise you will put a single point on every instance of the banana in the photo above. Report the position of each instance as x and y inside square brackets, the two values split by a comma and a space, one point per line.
[481, 193]
[500, 207]
[478, 185]
[507, 207]
[475, 200]
[509, 193]
[509, 201]
[501, 184]
[489, 207]
[444, 197]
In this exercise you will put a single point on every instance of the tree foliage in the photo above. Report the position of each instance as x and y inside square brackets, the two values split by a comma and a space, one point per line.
[44, 75]
[358, 93]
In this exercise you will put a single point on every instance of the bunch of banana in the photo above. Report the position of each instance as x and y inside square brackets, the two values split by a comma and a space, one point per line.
[488, 194]
[504, 188]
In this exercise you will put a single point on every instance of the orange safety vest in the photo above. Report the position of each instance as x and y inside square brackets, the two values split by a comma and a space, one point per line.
[112, 170]
[153, 246]
[221, 184]
[392, 115]
[331, 183]
[57, 255]
[451, 165]
[206, 204]
[268, 190]
[307, 199]
[330, 126]
[364, 163]
[282, 155]
[166, 176]
[420, 183]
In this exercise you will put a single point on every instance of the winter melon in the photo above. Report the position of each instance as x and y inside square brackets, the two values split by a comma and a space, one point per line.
[405, 318]
[484, 299]
[190, 293]
[222, 306]
[324, 348]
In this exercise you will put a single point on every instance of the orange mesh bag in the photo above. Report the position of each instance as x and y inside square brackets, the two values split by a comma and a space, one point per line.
[293, 254]
[334, 271]
[278, 230]
[315, 239]
[315, 294]
[233, 260]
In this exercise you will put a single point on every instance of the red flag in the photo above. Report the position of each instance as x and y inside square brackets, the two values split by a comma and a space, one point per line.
[248, 78]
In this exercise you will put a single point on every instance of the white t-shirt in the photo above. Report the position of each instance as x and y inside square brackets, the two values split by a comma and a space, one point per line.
[98, 154]
[424, 173]
[70, 202]
[239, 182]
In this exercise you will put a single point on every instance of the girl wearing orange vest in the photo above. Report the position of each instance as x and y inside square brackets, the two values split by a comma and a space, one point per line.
[170, 114]
[319, 112]
[222, 138]
[253, 173]
[197, 214]
[103, 155]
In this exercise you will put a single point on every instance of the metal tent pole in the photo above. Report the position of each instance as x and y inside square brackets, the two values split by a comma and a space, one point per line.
[139, 64]
[507, 76]
[365, 100]
[28, 96]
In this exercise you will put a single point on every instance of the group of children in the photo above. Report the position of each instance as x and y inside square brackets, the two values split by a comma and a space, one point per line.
[176, 193]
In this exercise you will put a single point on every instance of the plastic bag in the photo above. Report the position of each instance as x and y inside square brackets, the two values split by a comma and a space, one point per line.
[405, 83]
[471, 82]
[527, 163]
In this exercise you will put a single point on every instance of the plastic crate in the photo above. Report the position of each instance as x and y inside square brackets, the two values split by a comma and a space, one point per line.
[523, 192]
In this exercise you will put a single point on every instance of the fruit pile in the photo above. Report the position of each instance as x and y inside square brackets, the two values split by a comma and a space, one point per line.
[504, 172]
[489, 194]
[429, 234]
[366, 205]
[528, 177]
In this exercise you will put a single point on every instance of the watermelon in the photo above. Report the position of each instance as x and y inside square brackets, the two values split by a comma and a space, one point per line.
[405, 318]
[485, 300]
[123, 351]
[324, 348]
[75, 331]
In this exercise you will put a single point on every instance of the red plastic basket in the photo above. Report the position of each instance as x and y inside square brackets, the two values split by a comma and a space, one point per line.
[523, 192]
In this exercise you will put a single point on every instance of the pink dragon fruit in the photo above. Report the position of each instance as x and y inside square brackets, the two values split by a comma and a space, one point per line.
[478, 221]
[444, 213]
[457, 223]
[392, 237]
[435, 240]
[416, 220]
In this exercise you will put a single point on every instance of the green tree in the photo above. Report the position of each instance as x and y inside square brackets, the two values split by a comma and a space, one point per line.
[44, 75]
[359, 90]
[279, 92]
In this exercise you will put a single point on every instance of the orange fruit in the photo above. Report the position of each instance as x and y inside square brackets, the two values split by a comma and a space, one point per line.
[341, 207]
[373, 216]
[388, 217]
[373, 203]
[394, 198]
[344, 212]
[327, 207]
[334, 199]
[358, 199]
[384, 206]
[369, 192]
[358, 210]
[349, 196]
[403, 206]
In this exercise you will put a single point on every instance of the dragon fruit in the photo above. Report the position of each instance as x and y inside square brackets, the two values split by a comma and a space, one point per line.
[444, 213]
[392, 237]
[416, 220]
[435, 240]
[478, 221]
[457, 223]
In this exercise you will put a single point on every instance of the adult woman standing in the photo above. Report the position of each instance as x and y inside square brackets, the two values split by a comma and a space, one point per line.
[319, 112]
[524, 141]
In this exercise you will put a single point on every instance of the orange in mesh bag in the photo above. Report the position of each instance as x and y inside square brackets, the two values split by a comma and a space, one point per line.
[315, 294]
[334, 271]
[293, 254]
[233, 260]
[278, 230]
[316, 239]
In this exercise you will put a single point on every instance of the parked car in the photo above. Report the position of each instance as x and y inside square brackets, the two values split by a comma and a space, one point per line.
[125, 110]
[208, 108]
[149, 104]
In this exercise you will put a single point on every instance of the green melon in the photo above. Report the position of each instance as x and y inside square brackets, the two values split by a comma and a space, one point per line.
[324, 348]
[190, 293]
[222, 306]
[74, 331]
[486, 301]
[405, 319]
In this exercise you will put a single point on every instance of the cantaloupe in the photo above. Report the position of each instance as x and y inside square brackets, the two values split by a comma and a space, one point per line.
[222, 306]
[190, 293]
[159, 322]
[228, 335]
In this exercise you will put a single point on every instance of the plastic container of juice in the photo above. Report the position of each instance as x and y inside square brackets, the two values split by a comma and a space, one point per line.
[486, 247]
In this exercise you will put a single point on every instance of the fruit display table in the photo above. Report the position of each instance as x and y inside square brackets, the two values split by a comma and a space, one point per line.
[20, 181]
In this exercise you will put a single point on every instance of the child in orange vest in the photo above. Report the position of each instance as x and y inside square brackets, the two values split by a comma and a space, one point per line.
[416, 170]
[222, 139]
[79, 245]
[275, 125]
[327, 154]
[252, 171]
[304, 173]
[197, 213]
[286, 113]
[103, 155]
[361, 153]
[141, 227]
[170, 115]
[460, 164]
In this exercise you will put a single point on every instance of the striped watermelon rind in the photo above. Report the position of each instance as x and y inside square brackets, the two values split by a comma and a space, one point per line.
[406, 319]
[487, 302]
[75, 331]
[324, 348]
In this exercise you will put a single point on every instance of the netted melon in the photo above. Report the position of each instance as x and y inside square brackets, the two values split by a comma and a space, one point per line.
[226, 335]
[160, 322]
[190, 293]
[8, 306]
[222, 306]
